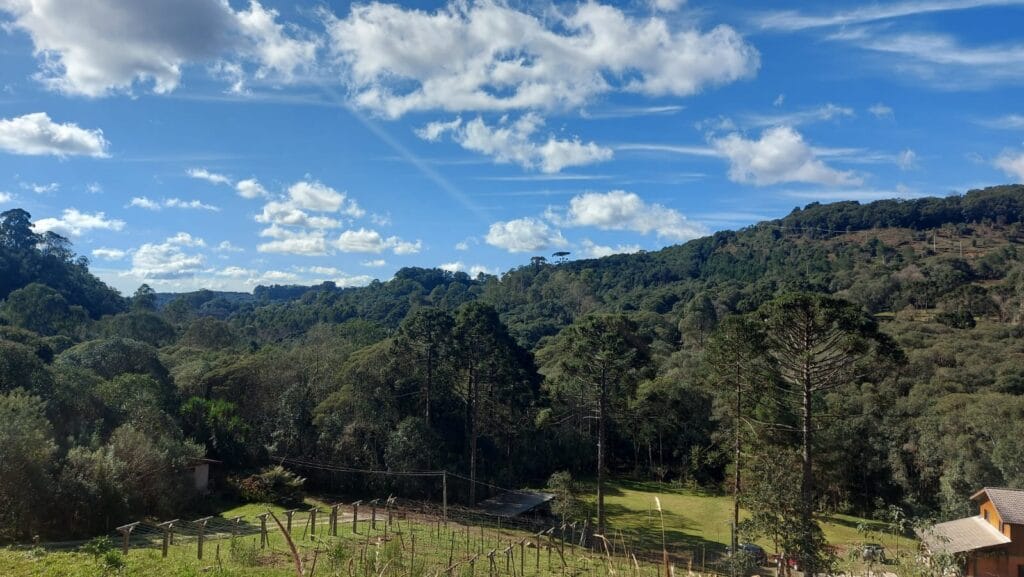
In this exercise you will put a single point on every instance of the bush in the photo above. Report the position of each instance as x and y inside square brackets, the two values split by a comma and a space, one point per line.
[273, 485]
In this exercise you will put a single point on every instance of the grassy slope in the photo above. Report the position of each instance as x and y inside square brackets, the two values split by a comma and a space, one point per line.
[694, 520]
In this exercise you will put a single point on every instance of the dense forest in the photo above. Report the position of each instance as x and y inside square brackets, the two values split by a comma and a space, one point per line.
[665, 356]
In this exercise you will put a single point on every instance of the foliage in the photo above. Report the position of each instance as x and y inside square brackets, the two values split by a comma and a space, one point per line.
[26, 452]
[272, 485]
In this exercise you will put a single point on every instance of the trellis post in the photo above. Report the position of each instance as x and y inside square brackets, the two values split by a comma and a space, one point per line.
[264, 541]
[202, 534]
[355, 517]
[126, 532]
[168, 527]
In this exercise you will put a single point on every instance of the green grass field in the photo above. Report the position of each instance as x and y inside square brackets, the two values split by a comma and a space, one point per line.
[696, 527]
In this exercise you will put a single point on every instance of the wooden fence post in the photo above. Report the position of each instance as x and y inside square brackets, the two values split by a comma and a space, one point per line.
[264, 541]
[202, 532]
[126, 532]
[373, 514]
[289, 514]
[234, 528]
[312, 522]
[168, 527]
[333, 530]
[355, 517]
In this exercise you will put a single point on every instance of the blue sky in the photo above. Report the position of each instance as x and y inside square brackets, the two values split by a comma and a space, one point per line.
[207, 143]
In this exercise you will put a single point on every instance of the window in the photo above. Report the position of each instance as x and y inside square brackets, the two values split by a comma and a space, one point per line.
[986, 515]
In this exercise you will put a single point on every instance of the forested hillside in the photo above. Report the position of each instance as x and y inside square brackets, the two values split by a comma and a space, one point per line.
[509, 379]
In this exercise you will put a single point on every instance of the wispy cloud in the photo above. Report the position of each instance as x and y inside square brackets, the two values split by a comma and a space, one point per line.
[793, 20]
[1005, 122]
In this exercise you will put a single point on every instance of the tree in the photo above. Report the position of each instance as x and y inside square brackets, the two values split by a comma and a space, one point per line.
[496, 377]
[736, 366]
[26, 455]
[144, 299]
[41, 309]
[16, 230]
[428, 333]
[818, 343]
[602, 358]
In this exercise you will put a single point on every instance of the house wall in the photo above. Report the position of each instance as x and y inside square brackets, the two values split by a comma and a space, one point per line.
[1007, 562]
[986, 507]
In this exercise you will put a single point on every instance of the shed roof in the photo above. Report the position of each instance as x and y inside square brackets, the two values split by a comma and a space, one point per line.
[514, 503]
[1009, 503]
[962, 535]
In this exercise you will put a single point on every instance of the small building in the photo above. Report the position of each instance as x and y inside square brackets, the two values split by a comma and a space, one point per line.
[991, 543]
[517, 503]
[199, 471]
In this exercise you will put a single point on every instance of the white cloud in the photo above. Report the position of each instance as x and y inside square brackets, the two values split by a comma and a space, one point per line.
[370, 241]
[190, 204]
[375, 263]
[109, 253]
[148, 204]
[75, 223]
[486, 56]
[513, 142]
[167, 260]
[100, 47]
[621, 210]
[36, 134]
[304, 196]
[780, 155]
[779, 100]
[211, 177]
[524, 235]
[1012, 163]
[1006, 122]
[279, 54]
[186, 239]
[5, 196]
[93, 188]
[791, 20]
[143, 202]
[819, 114]
[667, 5]
[589, 249]
[906, 159]
[237, 272]
[880, 110]
[288, 241]
[226, 246]
[41, 188]
[458, 266]
[250, 188]
[321, 198]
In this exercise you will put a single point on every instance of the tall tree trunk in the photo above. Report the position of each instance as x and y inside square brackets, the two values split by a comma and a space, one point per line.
[602, 406]
[471, 431]
[736, 466]
[807, 480]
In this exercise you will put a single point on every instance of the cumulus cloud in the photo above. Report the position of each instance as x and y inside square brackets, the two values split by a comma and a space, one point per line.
[370, 241]
[621, 210]
[375, 263]
[513, 142]
[5, 196]
[109, 253]
[487, 56]
[1012, 163]
[226, 246]
[236, 272]
[293, 241]
[524, 235]
[143, 202]
[211, 177]
[779, 155]
[99, 47]
[36, 134]
[590, 249]
[250, 188]
[41, 188]
[75, 223]
[168, 260]
[304, 197]
[458, 266]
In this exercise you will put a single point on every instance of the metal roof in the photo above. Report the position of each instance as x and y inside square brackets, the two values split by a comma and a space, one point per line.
[514, 503]
[962, 535]
[1008, 502]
